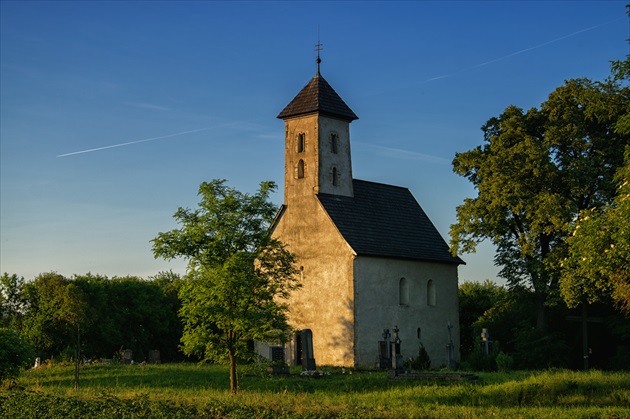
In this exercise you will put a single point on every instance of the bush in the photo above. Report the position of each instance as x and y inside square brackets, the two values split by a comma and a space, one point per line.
[15, 354]
[504, 362]
[422, 362]
[535, 349]
[621, 359]
[479, 360]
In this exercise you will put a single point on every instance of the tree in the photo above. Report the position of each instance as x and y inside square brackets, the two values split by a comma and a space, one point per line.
[15, 354]
[474, 300]
[238, 277]
[598, 263]
[12, 304]
[132, 313]
[537, 170]
[55, 308]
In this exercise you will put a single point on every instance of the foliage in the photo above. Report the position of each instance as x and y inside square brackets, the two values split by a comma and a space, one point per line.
[621, 359]
[479, 360]
[535, 172]
[238, 276]
[15, 354]
[422, 362]
[12, 304]
[504, 362]
[598, 262]
[514, 311]
[56, 307]
[474, 300]
[110, 314]
[129, 313]
[185, 391]
[511, 321]
[536, 349]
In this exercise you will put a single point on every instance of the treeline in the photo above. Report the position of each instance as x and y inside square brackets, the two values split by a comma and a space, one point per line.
[509, 316]
[102, 315]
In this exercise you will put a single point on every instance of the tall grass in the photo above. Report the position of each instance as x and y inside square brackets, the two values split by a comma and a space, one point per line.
[188, 390]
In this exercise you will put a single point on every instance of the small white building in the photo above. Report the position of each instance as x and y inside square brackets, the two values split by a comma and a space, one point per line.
[370, 258]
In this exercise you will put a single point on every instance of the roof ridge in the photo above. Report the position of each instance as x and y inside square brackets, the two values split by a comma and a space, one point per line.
[380, 183]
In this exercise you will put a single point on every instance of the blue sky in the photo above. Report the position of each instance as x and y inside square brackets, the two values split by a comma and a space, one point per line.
[189, 91]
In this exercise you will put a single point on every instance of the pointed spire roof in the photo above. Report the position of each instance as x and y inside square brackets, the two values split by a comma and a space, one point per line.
[318, 96]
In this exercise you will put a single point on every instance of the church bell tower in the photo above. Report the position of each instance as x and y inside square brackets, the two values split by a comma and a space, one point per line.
[317, 142]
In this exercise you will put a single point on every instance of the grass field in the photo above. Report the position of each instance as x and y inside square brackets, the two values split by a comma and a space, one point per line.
[193, 391]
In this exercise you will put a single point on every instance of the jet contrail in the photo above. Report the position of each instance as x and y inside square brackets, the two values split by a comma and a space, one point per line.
[134, 142]
[522, 51]
[543, 44]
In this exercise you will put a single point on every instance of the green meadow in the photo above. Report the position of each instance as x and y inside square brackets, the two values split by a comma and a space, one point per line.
[202, 391]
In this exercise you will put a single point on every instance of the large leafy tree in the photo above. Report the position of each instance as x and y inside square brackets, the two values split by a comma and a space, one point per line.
[598, 263]
[535, 172]
[238, 276]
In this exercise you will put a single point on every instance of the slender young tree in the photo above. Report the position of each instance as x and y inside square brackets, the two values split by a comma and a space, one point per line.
[238, 277]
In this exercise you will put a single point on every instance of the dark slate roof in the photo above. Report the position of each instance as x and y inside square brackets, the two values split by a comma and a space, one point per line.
[318, 96]
[386, 221]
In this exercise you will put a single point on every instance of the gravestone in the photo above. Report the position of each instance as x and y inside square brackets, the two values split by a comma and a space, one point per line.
[154, 357]
[397, 358]
[486, 343]
[308, 359]
[278, 362]
[450, 349]
[384, 354]
[127, 356]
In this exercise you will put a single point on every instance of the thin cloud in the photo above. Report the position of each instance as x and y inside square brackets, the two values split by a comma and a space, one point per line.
[135, 142]
[398, 153]
[149, 106]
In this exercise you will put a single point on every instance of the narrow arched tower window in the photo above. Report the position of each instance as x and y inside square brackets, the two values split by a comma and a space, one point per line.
[334, 143]
[300, 169]
[300, 142]
[335, 176]
[403, 292]
[431, 293]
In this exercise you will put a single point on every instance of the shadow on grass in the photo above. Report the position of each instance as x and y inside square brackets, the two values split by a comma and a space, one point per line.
[192, 376]
[520, 389]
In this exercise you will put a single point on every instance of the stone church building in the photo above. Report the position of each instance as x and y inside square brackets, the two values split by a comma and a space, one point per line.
[369, 257]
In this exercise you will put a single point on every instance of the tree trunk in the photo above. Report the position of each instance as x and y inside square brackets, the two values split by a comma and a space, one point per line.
[233, 374]
[542, 286]
[541, 311]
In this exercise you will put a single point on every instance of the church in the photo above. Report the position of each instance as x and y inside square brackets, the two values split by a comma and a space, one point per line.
[369, 257]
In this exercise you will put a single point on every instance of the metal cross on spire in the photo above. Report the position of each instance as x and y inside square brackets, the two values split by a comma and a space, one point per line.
[318, 47]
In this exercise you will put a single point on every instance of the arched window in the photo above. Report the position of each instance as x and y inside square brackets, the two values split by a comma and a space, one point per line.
[403, 292]
[300, 169]
[334, 143]
[431, 293]
[300, 142]
[335, 176]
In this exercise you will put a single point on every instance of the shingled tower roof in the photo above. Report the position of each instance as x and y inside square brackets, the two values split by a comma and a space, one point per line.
[318, 97]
